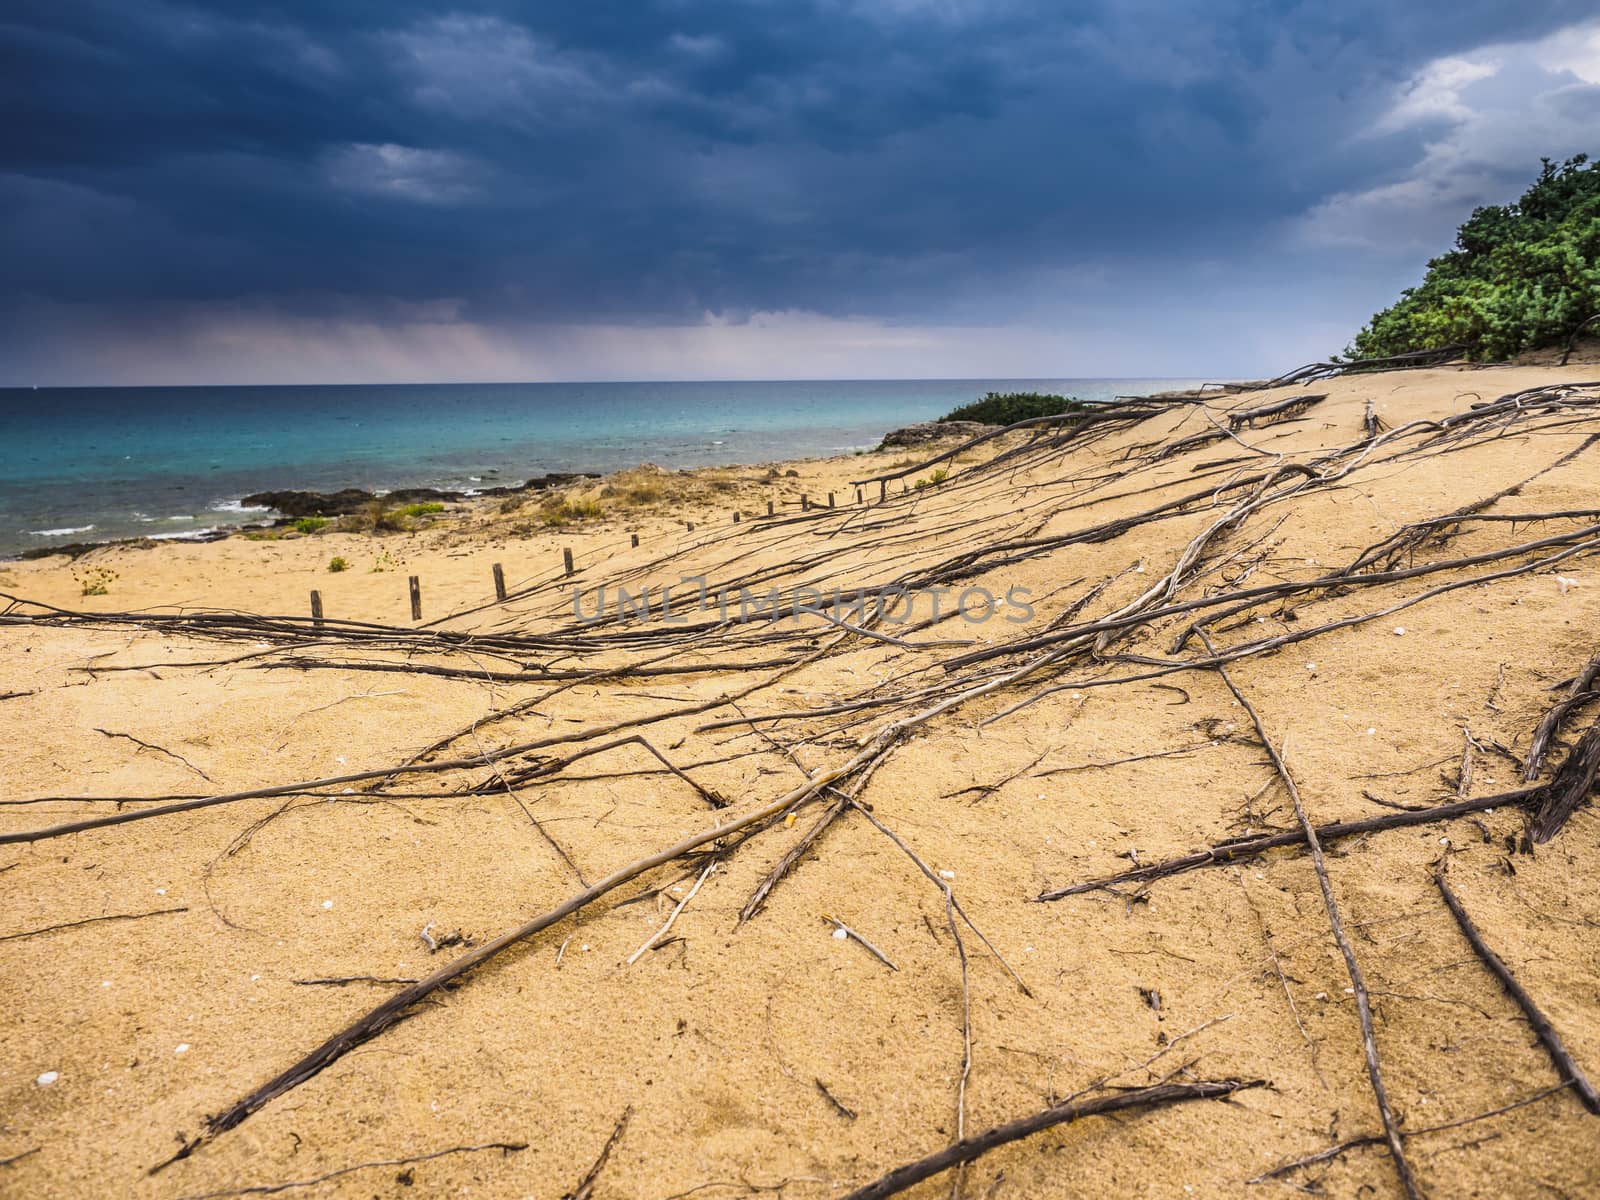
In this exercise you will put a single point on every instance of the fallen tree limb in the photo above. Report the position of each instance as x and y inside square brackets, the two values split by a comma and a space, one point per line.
[968, 1149]
[1369, 1041]
[1571, 1073]
[1573, 781]
[1241, 849]
[1580, 691]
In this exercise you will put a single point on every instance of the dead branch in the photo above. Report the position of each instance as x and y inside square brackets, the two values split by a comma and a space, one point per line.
[1363, 1001]
[968, 1149]
[1571, 1073]
[1573, 781]
[1245, 848]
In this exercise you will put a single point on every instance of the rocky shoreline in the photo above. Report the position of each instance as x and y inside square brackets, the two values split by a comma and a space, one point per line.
[292, 504]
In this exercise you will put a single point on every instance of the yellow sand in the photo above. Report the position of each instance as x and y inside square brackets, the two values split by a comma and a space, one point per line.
[723, 1041]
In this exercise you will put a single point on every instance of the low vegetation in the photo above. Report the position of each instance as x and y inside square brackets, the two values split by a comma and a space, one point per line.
[337, 564]
[1006, 408]
[1521, 276]
[560, 511]
[311, 524]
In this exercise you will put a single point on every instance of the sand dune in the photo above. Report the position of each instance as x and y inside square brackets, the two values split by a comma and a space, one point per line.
[860, 968]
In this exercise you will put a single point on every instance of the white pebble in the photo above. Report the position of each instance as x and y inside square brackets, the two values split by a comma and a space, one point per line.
[1399, 631]
[1444, 841]
[840, 934]
[1311, 666]
[182, 1048]
[327, 904]
[947, 874]
[161, 891]
[1349, 991]
[1371, 731]
[105, 983]
[48, 1078]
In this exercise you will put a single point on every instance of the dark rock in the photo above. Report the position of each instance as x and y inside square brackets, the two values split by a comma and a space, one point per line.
[924, 432]
[292, 504]
[311, 504]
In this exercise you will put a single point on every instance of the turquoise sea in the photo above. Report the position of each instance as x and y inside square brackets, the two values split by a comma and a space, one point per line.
[96, 464]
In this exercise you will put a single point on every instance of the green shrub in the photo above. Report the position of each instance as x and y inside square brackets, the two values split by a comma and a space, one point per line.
[310, 524]
[1521, 276]
[558, 512]
[1006, 408]
[337, 564]
[425, 509]
[95, 581]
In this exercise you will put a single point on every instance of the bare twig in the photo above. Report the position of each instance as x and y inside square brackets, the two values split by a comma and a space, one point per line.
[159, 912]
[267, 1189]
[585, 1187]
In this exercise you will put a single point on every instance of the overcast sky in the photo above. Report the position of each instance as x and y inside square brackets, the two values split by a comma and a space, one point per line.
[382, 190]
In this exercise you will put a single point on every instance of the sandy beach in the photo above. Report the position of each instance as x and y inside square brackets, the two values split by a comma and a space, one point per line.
[859, 963]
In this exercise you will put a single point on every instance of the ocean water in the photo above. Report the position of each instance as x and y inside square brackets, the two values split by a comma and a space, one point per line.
[97, 464]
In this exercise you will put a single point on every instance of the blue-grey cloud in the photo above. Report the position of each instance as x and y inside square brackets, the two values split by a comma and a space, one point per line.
[922, 162]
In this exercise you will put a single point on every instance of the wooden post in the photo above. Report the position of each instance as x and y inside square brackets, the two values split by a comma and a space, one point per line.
[736, 516]
[769, 508]
[830, 499]
[416, 598]
[883, 490]
[566, 558]
[316, 608]
[636, 541]
[858, 495]
[499, 582]
[805, 502]
[690, 524]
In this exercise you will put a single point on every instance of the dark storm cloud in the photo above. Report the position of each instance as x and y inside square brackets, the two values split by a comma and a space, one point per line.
[647, 162]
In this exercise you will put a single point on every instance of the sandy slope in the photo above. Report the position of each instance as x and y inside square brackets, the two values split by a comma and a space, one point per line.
[723, 1040]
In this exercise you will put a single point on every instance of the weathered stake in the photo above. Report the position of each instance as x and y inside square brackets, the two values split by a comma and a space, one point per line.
[805, 503]
[736, 516]
[416, 598]
[499, 582]
[769, 508]
[636, 541]
[316, 607]
[566, 558]
[830, 499]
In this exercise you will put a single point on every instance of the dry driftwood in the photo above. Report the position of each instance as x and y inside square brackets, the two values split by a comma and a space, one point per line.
[980, 1144]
